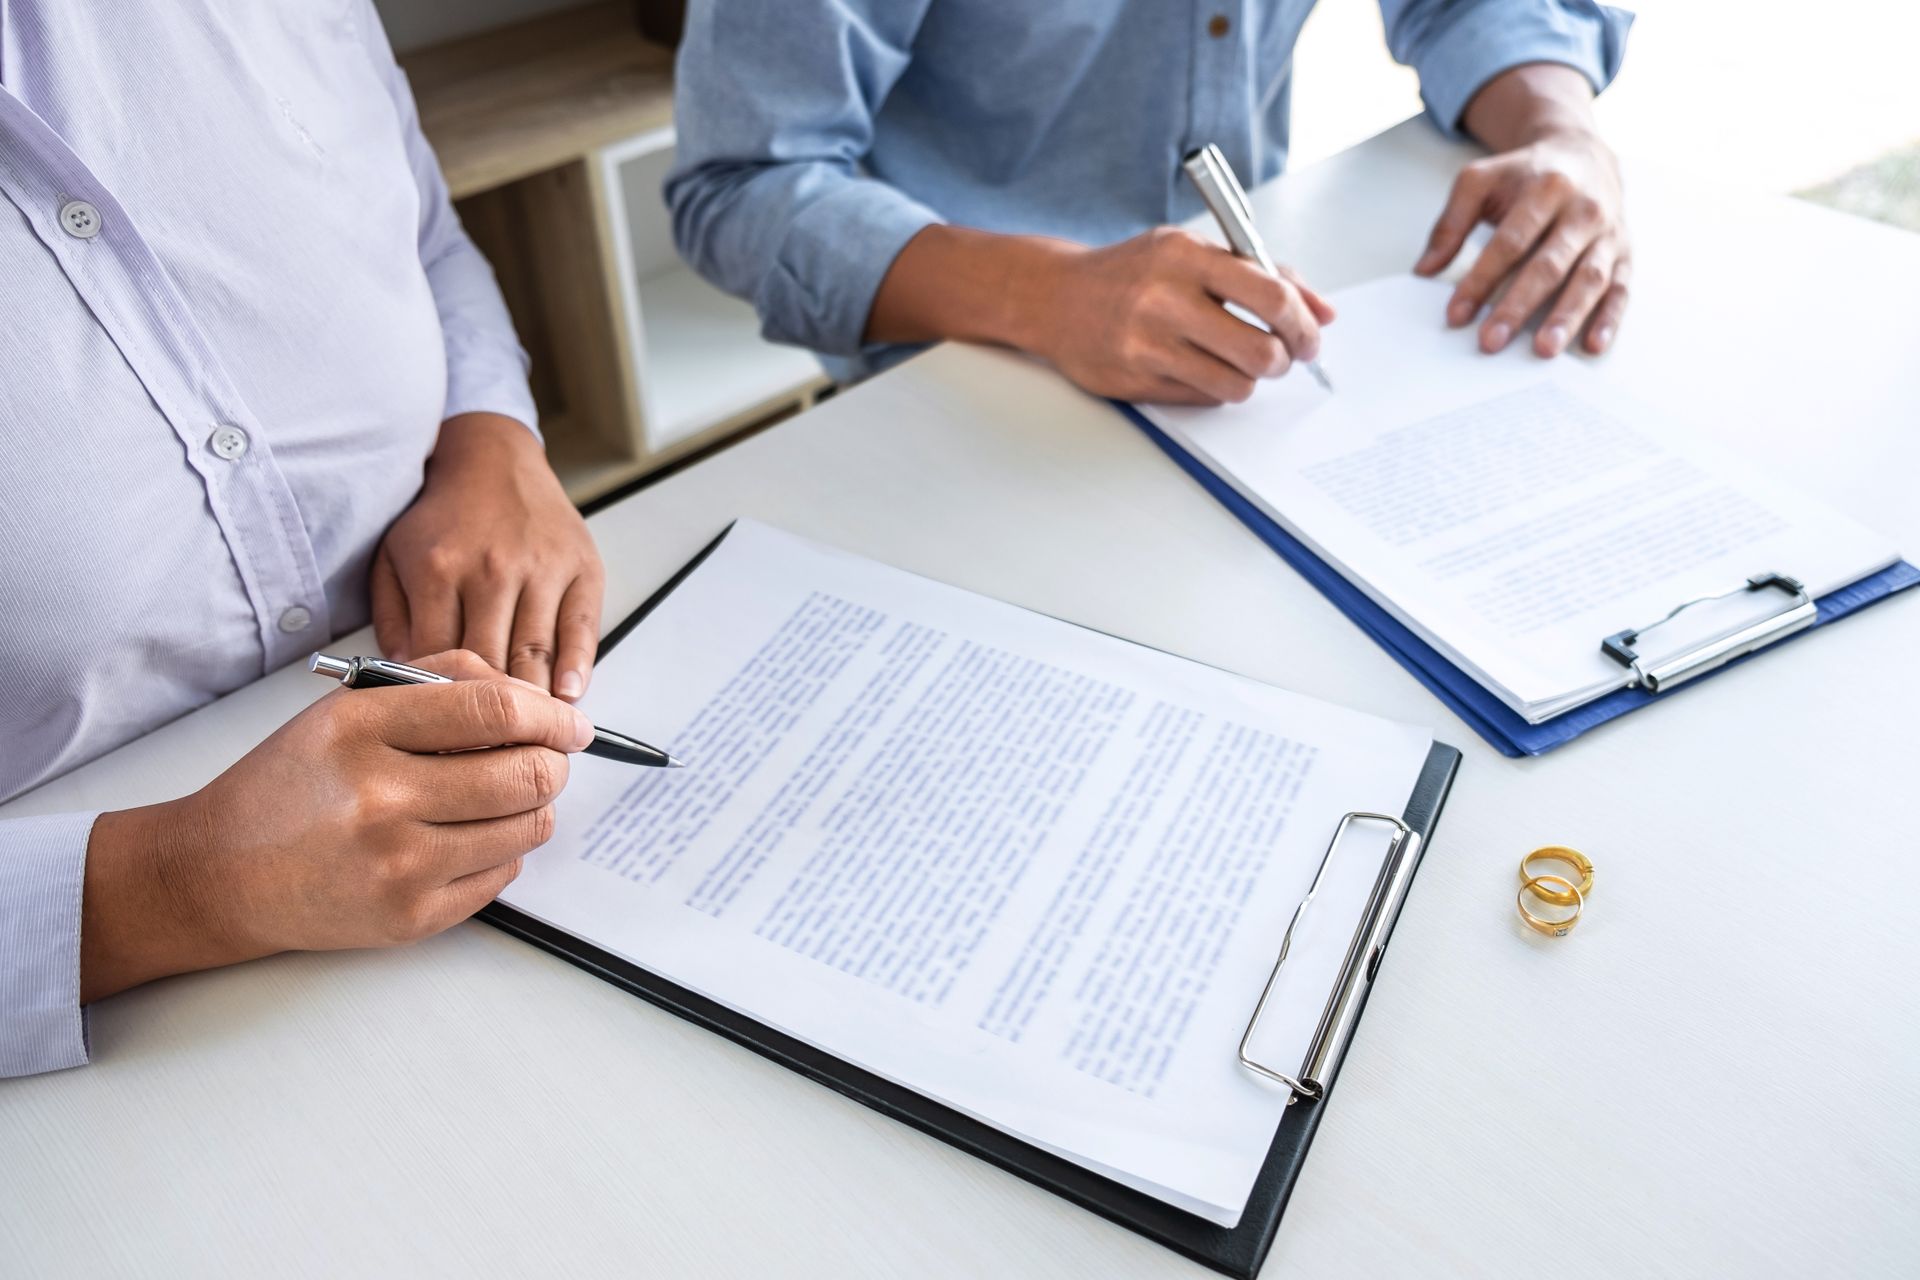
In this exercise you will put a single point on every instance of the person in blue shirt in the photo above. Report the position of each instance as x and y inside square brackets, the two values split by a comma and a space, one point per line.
[872, 174]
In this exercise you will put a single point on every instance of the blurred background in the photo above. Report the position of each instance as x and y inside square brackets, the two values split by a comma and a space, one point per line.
[1820, 100]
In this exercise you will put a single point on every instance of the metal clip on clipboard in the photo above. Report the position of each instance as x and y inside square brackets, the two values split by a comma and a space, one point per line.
[1797, 614]
[1330, 1037]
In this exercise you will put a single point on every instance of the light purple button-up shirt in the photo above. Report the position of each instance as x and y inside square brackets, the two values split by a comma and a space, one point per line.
[235, 306]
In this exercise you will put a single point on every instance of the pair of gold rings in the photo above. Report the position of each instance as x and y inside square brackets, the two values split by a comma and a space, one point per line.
[1555, 890]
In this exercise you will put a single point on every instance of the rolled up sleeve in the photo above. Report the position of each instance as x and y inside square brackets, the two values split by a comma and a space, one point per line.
[486, 366]
[43, 864]
[774, 111]
[1459, 45]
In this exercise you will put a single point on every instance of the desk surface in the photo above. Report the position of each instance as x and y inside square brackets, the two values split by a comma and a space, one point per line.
[1716, 1075]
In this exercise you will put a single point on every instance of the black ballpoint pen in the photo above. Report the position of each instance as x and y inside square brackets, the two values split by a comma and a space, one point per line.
[363, 673]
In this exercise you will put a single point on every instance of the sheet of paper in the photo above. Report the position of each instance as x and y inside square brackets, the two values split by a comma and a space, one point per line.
[1037, 873]
[1512, 510]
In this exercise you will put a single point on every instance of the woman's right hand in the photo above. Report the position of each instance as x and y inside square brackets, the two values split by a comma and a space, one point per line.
[373, 817]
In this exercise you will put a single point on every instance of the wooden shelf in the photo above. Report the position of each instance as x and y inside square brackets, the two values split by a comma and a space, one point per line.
[554, 134]
[509, 103]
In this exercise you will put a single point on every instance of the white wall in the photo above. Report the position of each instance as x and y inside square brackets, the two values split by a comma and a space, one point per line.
[412, 23]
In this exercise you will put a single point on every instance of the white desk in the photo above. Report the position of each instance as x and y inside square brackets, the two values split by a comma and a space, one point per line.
[1715, 1076]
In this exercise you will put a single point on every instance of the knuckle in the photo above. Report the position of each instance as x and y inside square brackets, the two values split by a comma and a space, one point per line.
[496, 564]
[443, 560]
[542, 774]
[492, 705]
[1510, 239]
[540, 826]
[1554, 182]
[530, 653]
[1591, 275]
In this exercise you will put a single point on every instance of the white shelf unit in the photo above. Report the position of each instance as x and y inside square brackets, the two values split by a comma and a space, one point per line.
[700, 366]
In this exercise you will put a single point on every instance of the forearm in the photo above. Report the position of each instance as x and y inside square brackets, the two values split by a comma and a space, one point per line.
[144, 907]
[973, 286]
[1523, 104]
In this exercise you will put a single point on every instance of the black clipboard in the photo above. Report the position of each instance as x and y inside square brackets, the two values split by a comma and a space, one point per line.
[1235, 1251]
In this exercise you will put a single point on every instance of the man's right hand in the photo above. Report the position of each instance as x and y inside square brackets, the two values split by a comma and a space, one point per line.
[373, 817]
[1145, 319]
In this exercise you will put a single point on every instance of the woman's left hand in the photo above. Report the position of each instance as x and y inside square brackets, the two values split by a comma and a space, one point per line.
[492, 557]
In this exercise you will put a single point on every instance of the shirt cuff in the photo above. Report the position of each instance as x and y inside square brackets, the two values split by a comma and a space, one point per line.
[490, 382]
[1490, 38]
[832, 259]
[43, 863]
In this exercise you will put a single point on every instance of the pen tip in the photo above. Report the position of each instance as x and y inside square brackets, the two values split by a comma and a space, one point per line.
[674, 762]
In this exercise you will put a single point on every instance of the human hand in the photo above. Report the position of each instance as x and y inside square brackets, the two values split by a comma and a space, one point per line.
[374, 817]
[1560, 237]
[492, 557]
[1146, 320]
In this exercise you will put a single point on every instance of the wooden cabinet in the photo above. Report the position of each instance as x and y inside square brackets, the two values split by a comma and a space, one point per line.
[554, 135]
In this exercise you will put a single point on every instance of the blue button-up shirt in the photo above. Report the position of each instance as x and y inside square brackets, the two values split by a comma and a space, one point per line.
[235, 306]
[816, 140]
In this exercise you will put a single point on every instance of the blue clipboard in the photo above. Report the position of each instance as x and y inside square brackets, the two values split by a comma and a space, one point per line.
[1491, 718]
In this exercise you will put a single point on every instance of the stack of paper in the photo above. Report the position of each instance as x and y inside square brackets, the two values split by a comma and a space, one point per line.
[1030, 871]
[1512, 512]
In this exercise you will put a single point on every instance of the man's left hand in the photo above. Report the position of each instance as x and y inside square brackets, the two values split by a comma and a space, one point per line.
[492, 557]
[1560, 237]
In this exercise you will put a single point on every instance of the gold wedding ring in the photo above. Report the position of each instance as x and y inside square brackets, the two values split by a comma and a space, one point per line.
[1556, 886]
[1579, 861]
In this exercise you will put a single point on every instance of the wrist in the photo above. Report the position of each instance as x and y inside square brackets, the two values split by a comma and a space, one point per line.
[147, 906]
[483, 439]
[1532, 103]
[972, 286]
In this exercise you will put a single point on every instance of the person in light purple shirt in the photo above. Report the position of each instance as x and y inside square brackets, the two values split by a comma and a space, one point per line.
[256, 387]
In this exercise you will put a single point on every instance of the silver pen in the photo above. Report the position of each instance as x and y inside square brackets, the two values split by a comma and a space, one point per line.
[1226, 199]
[366, 673]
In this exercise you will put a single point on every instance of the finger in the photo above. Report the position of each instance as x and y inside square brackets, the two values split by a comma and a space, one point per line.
[1273, 299]
[530, 649]
[1587, 284]
[459, 900]
[1465, 205]
[463, 849]
[1247, 348]
[1517, 233]
[458, 664]
[1322, 309]
[433, 609]
[1162, 390]
[486, 613]
[1207, 374]
[467, 786]
[465, 714]
[391, 623]
[1544, 271]
[577, 632]
[1606, 317]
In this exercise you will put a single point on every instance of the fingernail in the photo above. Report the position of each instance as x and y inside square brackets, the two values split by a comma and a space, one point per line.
[569, 685]
[1602, 336]
[1497, 335]
[1556, 337]
[583, 726]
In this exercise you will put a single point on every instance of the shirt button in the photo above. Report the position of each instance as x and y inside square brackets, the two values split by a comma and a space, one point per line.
[229, 442]
[1218, 26]
[79, 219]
[295, 619]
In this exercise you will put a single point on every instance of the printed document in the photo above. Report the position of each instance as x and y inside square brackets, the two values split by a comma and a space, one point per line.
[1034, 872]
[1513, 511]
